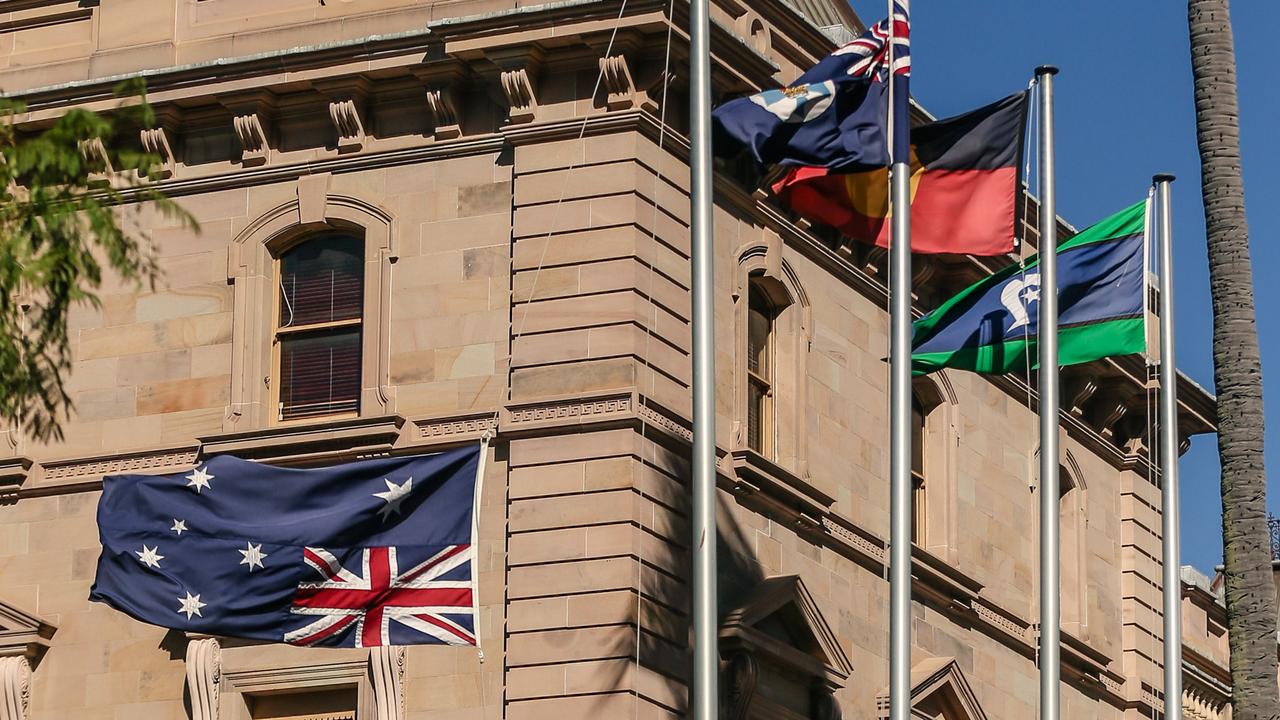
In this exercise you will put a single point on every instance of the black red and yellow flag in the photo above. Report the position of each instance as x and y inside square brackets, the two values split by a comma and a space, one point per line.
[965, 182]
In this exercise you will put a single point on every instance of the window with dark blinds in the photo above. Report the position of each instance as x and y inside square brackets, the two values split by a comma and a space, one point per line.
[760, 317]
[319, 331]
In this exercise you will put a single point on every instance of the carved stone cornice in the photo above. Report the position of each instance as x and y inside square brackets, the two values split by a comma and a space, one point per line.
[451, 428]
[91, 469]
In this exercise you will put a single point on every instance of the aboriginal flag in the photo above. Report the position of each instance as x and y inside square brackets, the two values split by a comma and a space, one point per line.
[965, 182]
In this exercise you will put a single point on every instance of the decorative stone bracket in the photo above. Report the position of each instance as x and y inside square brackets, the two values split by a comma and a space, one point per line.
[204, 677]
[347, 98]
[386, 668]
[15, 687]
[521, 97]
[251, 119]
[157, 140]
[615, 75]
[442, 104]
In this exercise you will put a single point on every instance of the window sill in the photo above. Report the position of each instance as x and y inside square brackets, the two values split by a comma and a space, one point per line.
[301, 443]
[763, 480]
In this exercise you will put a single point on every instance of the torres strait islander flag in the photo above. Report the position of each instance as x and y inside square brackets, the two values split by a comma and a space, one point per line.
[378, 552]
[993, 325]
[965, 183]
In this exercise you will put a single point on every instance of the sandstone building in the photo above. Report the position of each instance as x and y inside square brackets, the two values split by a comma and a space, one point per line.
[423, 221]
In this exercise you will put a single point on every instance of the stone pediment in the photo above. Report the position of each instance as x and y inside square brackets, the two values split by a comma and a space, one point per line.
[23, 634]
[781, 621]
[939, 691]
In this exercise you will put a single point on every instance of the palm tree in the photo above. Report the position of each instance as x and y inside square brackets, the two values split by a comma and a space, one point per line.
[1237, 370]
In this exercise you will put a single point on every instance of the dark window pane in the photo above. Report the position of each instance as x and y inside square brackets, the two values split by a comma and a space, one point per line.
[755, 416]
[917, 440]
[322, 280]
[759, 327]
[319, 373]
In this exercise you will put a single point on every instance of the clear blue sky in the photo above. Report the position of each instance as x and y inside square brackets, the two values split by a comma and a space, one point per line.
[1125, 111]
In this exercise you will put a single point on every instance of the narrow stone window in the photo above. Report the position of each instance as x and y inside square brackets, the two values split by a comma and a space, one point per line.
[319, 328]
[760, 372]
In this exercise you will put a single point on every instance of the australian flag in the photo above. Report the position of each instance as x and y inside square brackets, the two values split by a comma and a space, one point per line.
[835, 115]
[378, 552]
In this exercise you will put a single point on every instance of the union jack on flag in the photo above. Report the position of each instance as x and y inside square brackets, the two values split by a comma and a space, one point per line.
[377, 552]
[837, 114]
[431, 599]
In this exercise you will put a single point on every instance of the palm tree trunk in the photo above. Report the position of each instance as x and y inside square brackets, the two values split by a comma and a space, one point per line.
[1237, 371]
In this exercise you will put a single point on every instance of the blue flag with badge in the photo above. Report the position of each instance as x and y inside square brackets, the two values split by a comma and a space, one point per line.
[377, 552]
[833, 116]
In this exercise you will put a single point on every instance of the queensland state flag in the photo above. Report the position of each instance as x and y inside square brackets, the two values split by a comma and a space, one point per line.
[835, 115]
[993, 325]
[965, 183]
[378, 552]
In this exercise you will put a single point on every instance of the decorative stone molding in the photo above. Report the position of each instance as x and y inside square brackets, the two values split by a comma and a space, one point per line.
[662, 86]
[204, 677]
[23, 634]
[386, 668]
[170, 458]
[743, 674]
[15, 687]
[442, 105]
[588, 410]
[615, 77]
[459, 427]
[13, 473]
[938, 682]
[522, 99]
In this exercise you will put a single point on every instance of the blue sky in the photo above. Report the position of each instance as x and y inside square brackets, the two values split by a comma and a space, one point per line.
[1125, 111]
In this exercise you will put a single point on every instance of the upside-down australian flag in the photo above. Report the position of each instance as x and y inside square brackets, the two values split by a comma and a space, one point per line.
[377, 552]
[835, 115]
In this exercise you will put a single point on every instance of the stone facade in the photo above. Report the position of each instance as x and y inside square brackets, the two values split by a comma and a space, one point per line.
[518, 173]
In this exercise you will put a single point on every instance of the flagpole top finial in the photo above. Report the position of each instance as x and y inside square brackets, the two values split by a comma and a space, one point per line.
[1046, 70]
[1162, 178]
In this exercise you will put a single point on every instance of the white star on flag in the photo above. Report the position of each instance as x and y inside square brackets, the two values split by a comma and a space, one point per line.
[394, 495]
[179, 526]
[191, 605]
[149, 556]
[253, 555]
[199, 479]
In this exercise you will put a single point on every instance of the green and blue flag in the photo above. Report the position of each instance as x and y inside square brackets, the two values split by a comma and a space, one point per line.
[993, 325]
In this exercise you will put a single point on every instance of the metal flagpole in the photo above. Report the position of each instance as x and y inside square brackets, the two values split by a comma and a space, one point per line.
[899, 419]
[1172, 540]
[1050, 650]
[706, 656]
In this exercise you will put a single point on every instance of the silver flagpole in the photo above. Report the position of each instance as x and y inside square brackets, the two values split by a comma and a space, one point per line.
[706, 655]
[1170, 525]
[1050, 649]
[899, 420]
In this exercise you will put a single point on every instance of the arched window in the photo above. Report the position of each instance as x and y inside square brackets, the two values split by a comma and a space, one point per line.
[318, 336]
[760, 372]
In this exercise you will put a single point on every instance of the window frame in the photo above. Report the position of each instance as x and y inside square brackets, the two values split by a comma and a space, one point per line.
[251, 273]
[768, 413]
[275, 411]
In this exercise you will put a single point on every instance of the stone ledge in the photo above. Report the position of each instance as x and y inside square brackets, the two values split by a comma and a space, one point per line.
[348, 439]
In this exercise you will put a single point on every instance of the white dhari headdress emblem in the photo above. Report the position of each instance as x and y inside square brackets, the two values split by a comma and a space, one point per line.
[798, 104]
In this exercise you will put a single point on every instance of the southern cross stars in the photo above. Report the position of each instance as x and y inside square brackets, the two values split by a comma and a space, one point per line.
[179, 526]
[394, 495]
[199, 479]
[253, 555]
[191, 605]
[149, 556]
